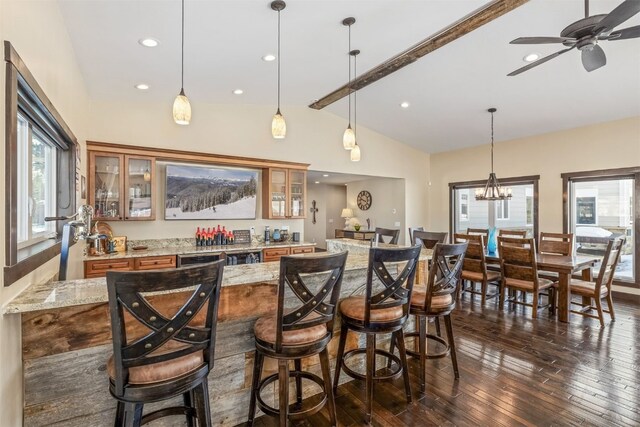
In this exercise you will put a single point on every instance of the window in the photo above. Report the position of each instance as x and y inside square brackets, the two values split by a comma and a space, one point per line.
[40, 152]
[36, 185]
[586, 213]
[502, 209]
[529, 205]
[464, 205]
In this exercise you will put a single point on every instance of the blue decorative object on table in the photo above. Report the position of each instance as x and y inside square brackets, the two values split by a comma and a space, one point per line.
[492, 244]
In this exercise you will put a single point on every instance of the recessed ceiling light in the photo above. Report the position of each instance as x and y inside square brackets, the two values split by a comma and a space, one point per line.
[404, 104]
[142, 86]
[531, 57]
[270, 57]
[317, 182]
[149, 42]
[238, 92]
[325, 175]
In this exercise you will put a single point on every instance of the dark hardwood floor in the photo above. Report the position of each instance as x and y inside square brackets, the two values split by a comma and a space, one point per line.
[515, 371]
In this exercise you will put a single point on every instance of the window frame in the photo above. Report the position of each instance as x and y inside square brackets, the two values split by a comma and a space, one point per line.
[466, 193]
[519, 180]
[21, 83]
[499, 207]
[602, 175]
[528, 197]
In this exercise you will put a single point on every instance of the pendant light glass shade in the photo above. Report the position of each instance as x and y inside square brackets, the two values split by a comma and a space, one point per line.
[278, 126]
[349, 139]
[355, 153]
[181, 109]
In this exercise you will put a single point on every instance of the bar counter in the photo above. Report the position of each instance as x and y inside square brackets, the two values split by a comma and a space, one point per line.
[66, 341]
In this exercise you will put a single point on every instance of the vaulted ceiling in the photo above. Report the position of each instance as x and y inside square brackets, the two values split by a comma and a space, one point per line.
[448, 91]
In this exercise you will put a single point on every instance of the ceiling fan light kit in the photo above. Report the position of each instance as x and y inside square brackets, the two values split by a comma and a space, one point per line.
[492, 189]
[585, 34]
[278, 124]
[181, 105]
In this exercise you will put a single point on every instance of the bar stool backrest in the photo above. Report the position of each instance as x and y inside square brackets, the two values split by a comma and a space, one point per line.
[446, 268]
[429, 239]
[556, 243]
[386, 232]
[315, 308]
[474, 259]
[411, 230]
[609, 264]
[142, 335]
[518, 259]
[395, 291]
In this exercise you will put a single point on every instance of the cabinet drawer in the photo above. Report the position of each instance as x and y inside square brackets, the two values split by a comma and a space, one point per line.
[339, 234]
[274, 254]
[302, 250]
[100, 268]
[154, 262]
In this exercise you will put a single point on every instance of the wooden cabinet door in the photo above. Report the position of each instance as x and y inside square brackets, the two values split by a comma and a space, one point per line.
[274, 194]
[139, 188]
[106, 185]
[297, 206]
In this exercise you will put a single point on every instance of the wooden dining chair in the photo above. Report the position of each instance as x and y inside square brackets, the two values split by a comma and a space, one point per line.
[474, 269]
[560, 244]
[392, 234]
[513, 233]
[484, 232]
[411, 230]
[429, 239]
[519, 269]
[601, 287]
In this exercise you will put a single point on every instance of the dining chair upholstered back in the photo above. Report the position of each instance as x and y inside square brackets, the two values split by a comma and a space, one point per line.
[556, 243]
[392, 234]
[429, 239]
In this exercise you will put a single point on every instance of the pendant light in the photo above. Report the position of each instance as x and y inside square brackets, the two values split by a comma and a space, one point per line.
[355, 152]
[492, 189]
[349, 137]
[181, 105]
[278, 125]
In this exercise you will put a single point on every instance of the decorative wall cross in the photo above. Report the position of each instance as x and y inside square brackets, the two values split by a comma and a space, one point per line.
[313, 210]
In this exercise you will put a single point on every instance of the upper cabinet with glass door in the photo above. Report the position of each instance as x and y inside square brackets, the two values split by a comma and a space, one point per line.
[284, 193]
[121, 186]
[105, 185]
[139, 188]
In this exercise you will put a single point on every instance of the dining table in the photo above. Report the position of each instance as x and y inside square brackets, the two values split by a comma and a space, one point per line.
[564, 266]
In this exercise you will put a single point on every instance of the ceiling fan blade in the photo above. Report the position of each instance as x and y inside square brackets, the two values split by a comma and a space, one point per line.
[594, 58]
[538, 62]
[624, 11]
[625, 33]
[541, 40]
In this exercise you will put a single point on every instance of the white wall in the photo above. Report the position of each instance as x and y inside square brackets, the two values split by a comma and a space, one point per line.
[37, 31]
[312, 137]
[330, 199]
[387, 204]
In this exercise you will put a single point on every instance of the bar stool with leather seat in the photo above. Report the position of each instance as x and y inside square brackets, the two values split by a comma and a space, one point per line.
[475, 268]
[294, 334]
[392, 234]
[437, 299]
[156, 355]
[383, 310]
[429, 239]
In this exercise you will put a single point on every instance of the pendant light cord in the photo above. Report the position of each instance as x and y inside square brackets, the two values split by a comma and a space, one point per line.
[349, 58]
[182, 61]
[355, 100]
[278, 61]
[491, 142]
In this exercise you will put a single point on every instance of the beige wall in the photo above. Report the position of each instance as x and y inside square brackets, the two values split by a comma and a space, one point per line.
[312, 137]
[36, 30]
[330, 199]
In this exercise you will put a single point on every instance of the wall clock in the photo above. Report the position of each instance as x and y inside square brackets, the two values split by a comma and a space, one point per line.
[364, 200]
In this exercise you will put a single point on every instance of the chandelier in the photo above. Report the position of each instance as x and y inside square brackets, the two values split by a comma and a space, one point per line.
[492, 189]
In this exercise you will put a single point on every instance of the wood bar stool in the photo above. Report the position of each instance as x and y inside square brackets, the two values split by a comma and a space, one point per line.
[411, 230]
[386, 232]
[157, 356]
[437, 299]
[294, 334]
[383, 310]
[429, 239]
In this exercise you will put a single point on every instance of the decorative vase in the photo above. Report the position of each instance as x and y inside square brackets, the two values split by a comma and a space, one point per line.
[276, 235]
[356, 227]
[492, 244]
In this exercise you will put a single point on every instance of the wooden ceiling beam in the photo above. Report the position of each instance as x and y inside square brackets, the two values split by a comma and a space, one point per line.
[472, 21]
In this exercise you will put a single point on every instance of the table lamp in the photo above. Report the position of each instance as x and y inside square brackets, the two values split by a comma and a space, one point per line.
[347, 213]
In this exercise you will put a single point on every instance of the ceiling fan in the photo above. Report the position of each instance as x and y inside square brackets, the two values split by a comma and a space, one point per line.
[585, 34]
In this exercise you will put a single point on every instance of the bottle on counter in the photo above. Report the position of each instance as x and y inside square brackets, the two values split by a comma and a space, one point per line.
[198, 237]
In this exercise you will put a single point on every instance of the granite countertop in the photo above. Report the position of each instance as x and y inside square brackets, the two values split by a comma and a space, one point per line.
[52, 295]
[181, 249]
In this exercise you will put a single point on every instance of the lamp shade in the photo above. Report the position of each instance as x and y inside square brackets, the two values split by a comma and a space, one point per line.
[349, 139]
[278, 126]
[355, 153]
[182, 109]
[347, 213]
